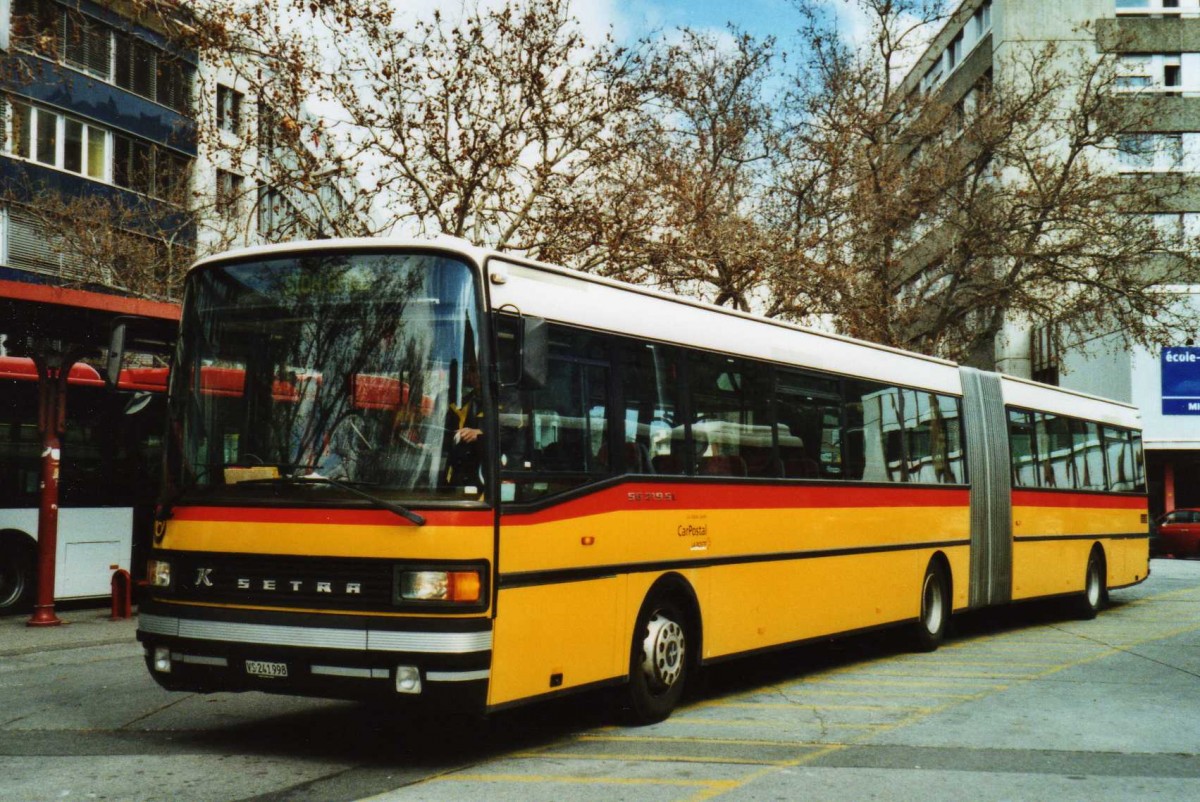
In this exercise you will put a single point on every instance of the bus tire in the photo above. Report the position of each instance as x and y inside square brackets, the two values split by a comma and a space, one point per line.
[930, 629]
[17, 574]
[1095, 587]
[659, 658]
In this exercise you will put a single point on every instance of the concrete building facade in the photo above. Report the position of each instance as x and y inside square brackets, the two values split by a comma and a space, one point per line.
[1156, 47]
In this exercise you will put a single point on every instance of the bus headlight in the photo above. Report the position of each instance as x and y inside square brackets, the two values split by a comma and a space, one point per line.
[463, 587]
[158, 573]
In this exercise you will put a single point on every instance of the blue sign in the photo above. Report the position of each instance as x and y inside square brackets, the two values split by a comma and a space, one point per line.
[1181, 381]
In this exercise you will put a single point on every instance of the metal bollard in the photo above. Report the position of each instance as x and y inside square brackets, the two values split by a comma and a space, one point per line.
[122, 595]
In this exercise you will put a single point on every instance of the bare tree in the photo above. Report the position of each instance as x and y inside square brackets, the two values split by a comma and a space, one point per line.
[937, 221]
[142, 248]
[490, 128]
[698, 175]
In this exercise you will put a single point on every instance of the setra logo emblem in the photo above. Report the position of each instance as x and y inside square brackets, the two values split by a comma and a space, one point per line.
[202, 577]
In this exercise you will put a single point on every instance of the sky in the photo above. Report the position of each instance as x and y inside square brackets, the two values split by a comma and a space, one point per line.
[633, 19]
[760, 18]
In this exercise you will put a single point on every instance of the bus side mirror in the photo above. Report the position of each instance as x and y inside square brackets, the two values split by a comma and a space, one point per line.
[535, 349]
[522, 349]
[116, 353]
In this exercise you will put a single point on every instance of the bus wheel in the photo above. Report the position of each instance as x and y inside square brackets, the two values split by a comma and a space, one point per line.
[658, 663]
[935, 608]
[16, 575]
[1094, 593]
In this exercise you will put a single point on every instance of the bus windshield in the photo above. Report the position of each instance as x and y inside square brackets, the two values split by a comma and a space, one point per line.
[300, 377]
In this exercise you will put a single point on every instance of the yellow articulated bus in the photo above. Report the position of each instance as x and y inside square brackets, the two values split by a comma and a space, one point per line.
[429, 472]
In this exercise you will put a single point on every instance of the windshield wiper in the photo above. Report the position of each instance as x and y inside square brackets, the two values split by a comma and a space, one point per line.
[316, 479]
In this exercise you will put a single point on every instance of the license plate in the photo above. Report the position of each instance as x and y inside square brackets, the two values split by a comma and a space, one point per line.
[261, 668]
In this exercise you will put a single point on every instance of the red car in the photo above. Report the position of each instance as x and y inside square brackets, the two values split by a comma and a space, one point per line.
[1179, 533]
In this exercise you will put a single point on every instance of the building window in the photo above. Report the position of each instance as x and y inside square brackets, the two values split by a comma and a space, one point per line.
[955, 52]
[142, 167]
[983, 19]
[86, 44]
[1170, 229]
[85, 149]
[173, 83]
[57, 141]
[1149, 7]
[229, 110]
[3, 251]
[1044, 355]
[90, 46]
[229, 188]
[1150, 72]
[1149, 153]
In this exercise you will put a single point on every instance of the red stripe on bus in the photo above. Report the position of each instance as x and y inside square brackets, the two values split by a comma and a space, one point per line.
[645, 496]
[270, 515]
[1095, 501]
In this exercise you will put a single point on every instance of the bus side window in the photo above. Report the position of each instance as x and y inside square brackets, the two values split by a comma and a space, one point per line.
[1021, 448]
[731, 417]
[809, 424]
[1139, 464]
[876, 450]
[940, 419]
[555, 437]
[1119, 458]
[1087, 455]
[653, 439]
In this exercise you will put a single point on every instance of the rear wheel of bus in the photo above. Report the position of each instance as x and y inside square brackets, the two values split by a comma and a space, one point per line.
[660, 658]
[1095, 590]
[930, 628]
[17, 567]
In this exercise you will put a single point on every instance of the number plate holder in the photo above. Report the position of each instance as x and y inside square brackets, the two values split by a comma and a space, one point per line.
[265, 668]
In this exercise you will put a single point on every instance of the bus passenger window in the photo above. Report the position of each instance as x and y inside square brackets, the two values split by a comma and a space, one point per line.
[555, 438]
[731, 432]
[875, 447]
[935, 440]
[1086, 457]
[809, 424]
[1021, 448]
[1055, 451]
[1139, 464]
[654, 435]
[1119, 458]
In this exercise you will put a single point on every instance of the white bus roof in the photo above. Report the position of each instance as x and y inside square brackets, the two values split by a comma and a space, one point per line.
[561, 294]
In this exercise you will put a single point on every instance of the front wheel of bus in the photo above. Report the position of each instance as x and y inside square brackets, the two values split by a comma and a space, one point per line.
[658, 664]
[935, 609]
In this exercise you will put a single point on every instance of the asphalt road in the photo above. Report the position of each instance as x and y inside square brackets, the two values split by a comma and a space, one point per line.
[1021, 703]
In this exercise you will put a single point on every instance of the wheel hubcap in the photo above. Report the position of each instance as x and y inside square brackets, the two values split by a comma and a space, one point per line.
[1093, 585]
[663, 652]
[932, 603]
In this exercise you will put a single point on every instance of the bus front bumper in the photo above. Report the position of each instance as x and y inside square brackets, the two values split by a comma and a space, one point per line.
[427, 660]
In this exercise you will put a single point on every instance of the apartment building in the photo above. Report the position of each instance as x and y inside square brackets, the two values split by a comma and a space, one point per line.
[257, 180]
[96, 103]
[1157, 48]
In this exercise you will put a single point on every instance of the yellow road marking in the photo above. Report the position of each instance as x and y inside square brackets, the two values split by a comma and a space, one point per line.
[814, 691]
[802, 705]
[868, 673]
[691, 739]
[550, 778]
[633, 756]
[913, 683]
[721, 722]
